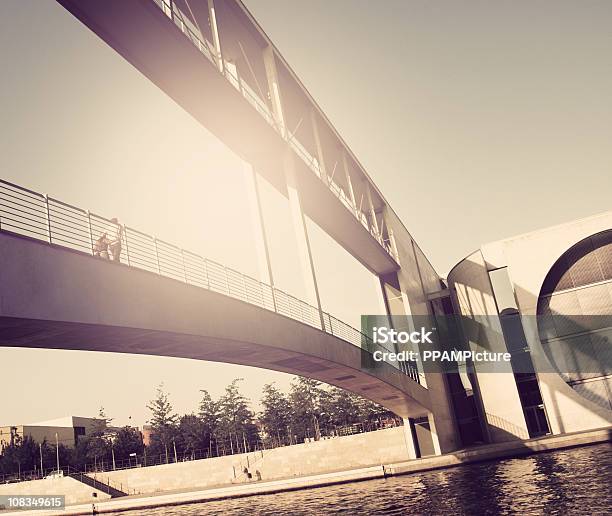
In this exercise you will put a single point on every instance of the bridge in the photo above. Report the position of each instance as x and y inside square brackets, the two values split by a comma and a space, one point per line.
[159, 299]
[218, 64]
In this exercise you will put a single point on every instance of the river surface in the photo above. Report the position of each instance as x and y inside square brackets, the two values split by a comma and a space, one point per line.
[566, 482]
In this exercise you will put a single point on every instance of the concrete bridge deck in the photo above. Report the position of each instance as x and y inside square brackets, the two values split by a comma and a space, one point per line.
[53, 297]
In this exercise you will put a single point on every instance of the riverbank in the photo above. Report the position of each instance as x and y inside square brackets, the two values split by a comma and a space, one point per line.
[472, 455]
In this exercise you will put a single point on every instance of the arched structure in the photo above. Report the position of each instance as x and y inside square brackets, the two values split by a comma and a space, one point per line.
[57, 298]
[575, 317]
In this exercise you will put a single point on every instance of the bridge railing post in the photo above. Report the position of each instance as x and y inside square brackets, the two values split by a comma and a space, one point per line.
[48, 215]
[246, 290]
[184, 266]
[157, 255]
[91, 240]
[127, 247]
[273, 291]
[205, 267]
[227, 281]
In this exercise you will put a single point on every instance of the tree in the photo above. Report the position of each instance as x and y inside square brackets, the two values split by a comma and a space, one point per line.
[23, 455]
[19, 456]
[236, 423]
[79, 454]
[127, 440]
[209, 415]
[276, 414]
[344, 407]
[163, 422]
[100, 423]
[371, 412]
[98, 444]
[192, 434]
[305, 396]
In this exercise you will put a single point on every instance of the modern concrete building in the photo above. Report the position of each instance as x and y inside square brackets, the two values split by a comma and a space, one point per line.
[69, 430]
[545, 297]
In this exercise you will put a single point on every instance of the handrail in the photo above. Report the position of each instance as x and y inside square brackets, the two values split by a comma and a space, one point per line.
[146, 252]
[206, 48]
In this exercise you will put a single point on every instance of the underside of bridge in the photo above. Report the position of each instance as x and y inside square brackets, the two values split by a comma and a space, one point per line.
[60, 299]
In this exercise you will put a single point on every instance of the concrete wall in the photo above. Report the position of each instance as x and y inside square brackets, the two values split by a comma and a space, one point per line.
[65, 435]
[529, 257]
[75, 491]
[341, 453]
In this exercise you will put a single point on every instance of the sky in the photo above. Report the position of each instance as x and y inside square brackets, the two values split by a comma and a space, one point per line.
[477, 120]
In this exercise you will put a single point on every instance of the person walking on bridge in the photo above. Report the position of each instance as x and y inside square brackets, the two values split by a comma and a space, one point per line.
[100, 249]
[115, 245]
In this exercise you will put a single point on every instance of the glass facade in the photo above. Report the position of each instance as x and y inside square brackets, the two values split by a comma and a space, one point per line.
[575, 317]
[514, 336]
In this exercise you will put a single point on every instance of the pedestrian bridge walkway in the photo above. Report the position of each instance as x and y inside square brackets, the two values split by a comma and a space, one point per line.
[162, 300]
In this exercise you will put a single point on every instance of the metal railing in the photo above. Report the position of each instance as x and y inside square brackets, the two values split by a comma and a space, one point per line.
[182, 21]
[32, 214]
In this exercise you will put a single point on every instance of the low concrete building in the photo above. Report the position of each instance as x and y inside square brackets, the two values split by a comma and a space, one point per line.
[68, 429]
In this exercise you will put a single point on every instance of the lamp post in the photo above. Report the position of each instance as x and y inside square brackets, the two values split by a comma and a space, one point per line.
[57, 451]
[41, 461]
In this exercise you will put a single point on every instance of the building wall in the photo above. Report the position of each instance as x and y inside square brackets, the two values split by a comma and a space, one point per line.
[529, 258]
[65, 435]
[46, 430]
[473, 297]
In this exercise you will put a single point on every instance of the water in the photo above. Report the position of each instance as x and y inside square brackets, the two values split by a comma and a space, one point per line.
[577, 481]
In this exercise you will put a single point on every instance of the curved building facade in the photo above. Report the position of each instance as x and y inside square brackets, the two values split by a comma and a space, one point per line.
[545, 297]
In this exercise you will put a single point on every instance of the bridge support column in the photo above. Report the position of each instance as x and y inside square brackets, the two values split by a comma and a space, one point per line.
[259, 227]
[405, 295]
[301, 233]
[409, 438]
[434, 434]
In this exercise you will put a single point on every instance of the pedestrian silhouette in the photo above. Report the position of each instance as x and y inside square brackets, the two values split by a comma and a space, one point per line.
[101, 246]
[115, 244]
